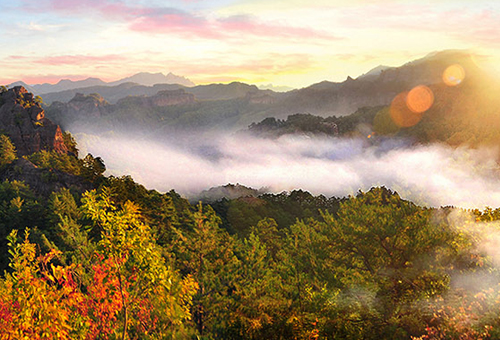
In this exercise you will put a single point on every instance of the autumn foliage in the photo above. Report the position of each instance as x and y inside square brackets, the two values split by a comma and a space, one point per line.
[127, 292]
[127, 263]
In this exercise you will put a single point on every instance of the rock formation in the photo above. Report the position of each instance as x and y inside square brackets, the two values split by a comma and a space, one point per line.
[92, 106]
[161, 99]
[169, 98]
[23, 120]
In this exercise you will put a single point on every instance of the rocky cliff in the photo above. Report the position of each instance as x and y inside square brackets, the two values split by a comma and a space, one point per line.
[92, 106]
[23, 120]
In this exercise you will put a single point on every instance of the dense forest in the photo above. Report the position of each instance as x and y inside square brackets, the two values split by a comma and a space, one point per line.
[121, 261]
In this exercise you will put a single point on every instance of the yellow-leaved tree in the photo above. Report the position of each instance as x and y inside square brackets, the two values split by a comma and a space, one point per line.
[153, 298]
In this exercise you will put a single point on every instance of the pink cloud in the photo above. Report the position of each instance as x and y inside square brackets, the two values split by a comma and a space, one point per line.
[111, 9]
[174, 22]
[460, 23]
[466, 25]
[226, 28]
[71, 5]
[18, 57]
[78, 59]
[41, 79]
[169, 20]
[243, 24]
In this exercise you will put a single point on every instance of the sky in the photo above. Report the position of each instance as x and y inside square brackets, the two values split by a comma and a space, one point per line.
[284, 42]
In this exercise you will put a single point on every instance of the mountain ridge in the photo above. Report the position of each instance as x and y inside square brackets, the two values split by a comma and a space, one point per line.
[141, 78]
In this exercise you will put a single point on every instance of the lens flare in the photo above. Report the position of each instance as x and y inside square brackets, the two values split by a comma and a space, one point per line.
[420, 99]
[401, 115]
[453, 75]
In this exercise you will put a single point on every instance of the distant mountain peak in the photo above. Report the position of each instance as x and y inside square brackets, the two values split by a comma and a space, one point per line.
[65, 84]
[275, 88]
[150, 79]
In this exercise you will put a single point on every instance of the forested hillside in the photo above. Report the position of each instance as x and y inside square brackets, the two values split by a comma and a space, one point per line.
[121, 261]
[96, 257]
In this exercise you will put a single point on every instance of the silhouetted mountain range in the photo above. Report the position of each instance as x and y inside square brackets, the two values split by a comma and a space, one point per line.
[113, 94]
[377, 87]
[143, 78]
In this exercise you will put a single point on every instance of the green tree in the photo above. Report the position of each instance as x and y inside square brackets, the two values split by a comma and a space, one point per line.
[93, 168]
[7, 151]
[207, 253]
[70, 143]
[55, 160]
[258, 300]
[19, 208]
[269, 235]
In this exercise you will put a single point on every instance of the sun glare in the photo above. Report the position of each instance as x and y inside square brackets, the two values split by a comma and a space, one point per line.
[453, 75]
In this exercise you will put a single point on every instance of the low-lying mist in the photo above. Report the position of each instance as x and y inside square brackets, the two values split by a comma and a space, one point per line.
[432, 175]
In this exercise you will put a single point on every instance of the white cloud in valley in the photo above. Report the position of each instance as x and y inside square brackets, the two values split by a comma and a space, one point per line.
[432, 175]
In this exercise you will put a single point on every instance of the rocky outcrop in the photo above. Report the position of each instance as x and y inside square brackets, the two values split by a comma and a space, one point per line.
[169, 98]
[82, 108]
[94, 112]
[23, 120]
[91, 106]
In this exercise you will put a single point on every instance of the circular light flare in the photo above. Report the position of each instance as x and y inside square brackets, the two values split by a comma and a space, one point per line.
[401, 115]
[420, 99]
[453, 75]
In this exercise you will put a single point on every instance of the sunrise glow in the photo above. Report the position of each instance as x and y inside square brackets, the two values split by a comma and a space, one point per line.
[293, 43]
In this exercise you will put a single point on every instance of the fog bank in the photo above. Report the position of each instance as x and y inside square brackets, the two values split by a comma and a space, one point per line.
[433, 175]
